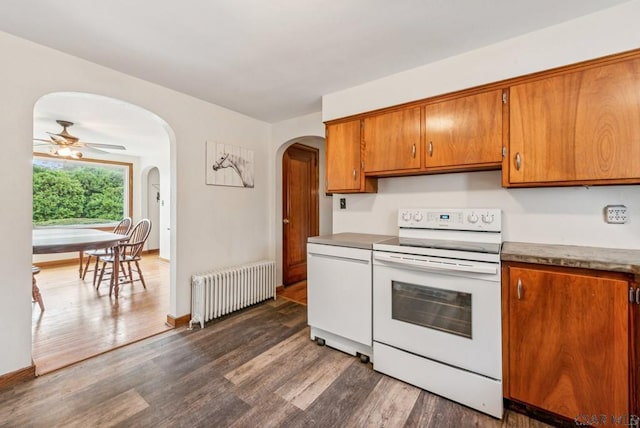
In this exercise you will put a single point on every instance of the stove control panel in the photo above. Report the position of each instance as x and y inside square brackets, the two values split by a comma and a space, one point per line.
[487, 219]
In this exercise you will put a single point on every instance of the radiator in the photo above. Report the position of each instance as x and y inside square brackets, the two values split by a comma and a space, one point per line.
[219, 292]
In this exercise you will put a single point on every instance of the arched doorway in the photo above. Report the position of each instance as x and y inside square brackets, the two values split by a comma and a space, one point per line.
[325, 200]
[300, 209]
[100, 119]
[153, 205]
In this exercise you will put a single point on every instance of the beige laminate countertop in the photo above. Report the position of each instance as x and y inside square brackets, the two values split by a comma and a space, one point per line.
[347, 239]
[608, 259]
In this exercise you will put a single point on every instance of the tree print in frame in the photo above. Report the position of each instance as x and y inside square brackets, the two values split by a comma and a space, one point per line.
[229, 165]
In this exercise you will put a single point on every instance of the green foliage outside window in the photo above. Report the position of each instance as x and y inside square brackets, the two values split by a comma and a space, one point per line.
[67, 192]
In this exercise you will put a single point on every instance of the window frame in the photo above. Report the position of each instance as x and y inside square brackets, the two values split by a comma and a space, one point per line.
[128, 205]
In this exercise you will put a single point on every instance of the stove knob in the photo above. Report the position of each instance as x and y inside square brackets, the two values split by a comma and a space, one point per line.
[406, 216]
[487, 218]
[417, 216]
[472, 218]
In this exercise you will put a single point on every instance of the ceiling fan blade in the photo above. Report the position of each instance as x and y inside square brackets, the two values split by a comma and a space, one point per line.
[57, 139]
[104, 146]
[89, 149]
[42, 142]
[66, 140]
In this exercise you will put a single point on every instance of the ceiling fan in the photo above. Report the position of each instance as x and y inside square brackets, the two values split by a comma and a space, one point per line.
[66, 145]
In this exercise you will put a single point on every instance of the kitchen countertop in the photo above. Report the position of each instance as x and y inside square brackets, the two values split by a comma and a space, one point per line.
[608, 259]
[347, 239]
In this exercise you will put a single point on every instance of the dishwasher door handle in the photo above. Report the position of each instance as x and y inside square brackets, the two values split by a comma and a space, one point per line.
[343, 258]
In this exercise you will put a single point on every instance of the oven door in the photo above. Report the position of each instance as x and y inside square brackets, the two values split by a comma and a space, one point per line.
[451, 316]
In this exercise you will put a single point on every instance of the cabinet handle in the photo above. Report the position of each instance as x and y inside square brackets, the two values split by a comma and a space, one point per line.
[354, 173]
[520, 290]
[430, 149]
[518, 161]
[413, 151]
[638, 296]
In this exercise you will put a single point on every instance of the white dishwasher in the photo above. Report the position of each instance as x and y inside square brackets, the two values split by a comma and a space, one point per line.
[339, 291]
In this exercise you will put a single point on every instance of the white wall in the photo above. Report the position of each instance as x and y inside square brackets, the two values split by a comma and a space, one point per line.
[610, 31]
[210, 226]
[572, 215]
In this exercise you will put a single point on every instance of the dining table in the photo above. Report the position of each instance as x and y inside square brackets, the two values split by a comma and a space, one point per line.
[67, 239]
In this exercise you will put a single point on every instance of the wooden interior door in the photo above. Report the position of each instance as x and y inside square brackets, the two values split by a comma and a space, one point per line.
[568, 342]
[300, 212]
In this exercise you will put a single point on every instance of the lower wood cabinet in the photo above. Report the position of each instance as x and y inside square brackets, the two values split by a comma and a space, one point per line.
[569, 340]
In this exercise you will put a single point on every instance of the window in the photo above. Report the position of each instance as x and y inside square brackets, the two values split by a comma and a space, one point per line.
[80, 192]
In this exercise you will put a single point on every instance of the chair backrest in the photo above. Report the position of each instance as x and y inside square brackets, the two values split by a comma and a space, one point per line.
[123, 227]
[137, 237]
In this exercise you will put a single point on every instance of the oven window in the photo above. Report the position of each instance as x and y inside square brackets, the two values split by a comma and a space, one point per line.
[444, 310]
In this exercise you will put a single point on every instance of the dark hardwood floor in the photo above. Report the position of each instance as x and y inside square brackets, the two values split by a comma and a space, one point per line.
[256, 367]
[80, 322]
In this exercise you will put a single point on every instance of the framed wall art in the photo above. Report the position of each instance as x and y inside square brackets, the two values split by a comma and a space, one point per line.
[229, 165]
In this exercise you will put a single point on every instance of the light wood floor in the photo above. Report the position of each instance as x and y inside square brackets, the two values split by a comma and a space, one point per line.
[296, 292]
[256, 367]
[80, 321]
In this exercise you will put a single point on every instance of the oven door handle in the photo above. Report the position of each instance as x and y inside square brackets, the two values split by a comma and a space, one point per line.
[433, 265]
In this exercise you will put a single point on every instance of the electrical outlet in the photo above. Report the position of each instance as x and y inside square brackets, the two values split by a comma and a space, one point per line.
[616, 214]
[343, 203]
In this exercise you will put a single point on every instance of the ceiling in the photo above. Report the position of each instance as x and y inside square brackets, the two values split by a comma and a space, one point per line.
[273, 60]
[100, 119]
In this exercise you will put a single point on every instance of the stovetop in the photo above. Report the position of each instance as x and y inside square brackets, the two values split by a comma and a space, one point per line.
[456, 233]
[474, 247]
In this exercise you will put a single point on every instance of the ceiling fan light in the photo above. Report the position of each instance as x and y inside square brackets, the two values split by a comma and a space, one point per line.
[65, 151]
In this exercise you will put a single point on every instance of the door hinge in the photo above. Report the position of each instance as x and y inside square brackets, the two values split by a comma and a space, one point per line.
[504, 97]
[504, 152]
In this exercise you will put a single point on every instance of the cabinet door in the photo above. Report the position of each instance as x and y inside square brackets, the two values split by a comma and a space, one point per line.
[580, 126]
[464, 131]
[569, 342]
[343, 156]
[392, 141]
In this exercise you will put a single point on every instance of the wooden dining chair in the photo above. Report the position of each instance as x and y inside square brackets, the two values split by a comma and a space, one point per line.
[35, 291]
[130, 252]
[122, 228]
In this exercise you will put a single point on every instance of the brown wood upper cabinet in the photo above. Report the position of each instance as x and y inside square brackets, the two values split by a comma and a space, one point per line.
[576, 126]
[392, 141]
[464, 132]
[344, 173]
[567, 340]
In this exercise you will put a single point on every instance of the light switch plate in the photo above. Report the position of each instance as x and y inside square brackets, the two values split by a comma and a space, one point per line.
[616, 214]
